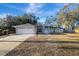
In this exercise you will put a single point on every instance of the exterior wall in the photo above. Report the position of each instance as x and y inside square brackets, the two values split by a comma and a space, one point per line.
[46, 31]
[53, 30]
[25, 30]
[59, 30]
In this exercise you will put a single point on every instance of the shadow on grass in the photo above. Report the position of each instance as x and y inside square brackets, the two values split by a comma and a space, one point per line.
[53, 34]
[43, 41]
[69, 47]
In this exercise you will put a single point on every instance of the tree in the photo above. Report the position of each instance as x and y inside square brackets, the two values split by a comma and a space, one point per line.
[27, 18]
[68, 15]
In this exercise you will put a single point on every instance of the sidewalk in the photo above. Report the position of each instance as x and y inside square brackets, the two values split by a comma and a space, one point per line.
[10, 42]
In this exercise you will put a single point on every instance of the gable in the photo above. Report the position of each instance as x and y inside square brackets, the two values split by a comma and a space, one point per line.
[24, 26]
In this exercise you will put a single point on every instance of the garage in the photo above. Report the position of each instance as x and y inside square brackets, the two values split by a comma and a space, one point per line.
[25, 29]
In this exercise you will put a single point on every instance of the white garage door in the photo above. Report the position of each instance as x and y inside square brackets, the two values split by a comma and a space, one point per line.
[25, 31]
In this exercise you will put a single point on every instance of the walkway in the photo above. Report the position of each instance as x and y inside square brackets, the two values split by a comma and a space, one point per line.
[10, 42]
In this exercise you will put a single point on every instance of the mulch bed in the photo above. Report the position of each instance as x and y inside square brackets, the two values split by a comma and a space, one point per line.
[33, 47]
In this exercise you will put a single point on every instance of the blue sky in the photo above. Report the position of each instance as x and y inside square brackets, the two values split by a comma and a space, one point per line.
[42, 10]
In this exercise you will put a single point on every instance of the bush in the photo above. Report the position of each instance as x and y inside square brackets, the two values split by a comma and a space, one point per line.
[6, 30]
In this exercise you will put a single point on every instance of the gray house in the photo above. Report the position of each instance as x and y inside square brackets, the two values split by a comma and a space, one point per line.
[52, 30]
[49, 29]
[25, 29]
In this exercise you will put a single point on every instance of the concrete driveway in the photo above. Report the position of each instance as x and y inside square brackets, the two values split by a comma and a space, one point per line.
[10, 42]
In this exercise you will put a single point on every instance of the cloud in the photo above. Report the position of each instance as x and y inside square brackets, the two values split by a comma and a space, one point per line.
[42, 20]
[38, 10]
[34, 8]
[3, 15]
[52, 12]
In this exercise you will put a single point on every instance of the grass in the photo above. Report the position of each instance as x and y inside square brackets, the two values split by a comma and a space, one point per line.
[48, 45]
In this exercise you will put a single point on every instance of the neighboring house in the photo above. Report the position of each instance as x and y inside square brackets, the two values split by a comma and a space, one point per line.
[59, 30]
[48, 29]
[25, 29]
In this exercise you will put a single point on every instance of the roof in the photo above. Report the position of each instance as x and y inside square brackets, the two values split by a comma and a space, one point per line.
[24, 26]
